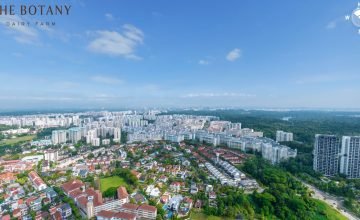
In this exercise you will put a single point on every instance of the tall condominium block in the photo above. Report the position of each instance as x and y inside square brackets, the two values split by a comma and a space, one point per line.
[58, 137]
[350, 157]
[117, 135]
[326, 154]
[276, 154]
[284, 136]
[75, 134]
[51, 155]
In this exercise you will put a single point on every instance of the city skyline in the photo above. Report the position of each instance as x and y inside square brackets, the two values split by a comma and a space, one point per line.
[249, 54]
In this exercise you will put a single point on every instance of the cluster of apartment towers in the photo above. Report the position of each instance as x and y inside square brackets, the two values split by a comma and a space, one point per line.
[334, 155]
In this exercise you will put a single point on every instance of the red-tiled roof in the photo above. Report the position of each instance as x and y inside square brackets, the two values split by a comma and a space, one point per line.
[7, 176]
[57, 216]
[124, 215]
[119, 215]
[75, 193]
[30, 200]
[122, 192]
[97, 199]
[105, 214]
[5, 217]
[97, 196]
[148, 208]
[82, 201]
[33, 175]
[72, 185]
[130, 206]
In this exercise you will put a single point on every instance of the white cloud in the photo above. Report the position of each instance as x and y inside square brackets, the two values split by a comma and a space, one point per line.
[21, 33]
[106, 80]
[225, 94]
[38, 98]
[334, 23]
[109, 16]
[204, 62]
[233, 55]
[331, 25]
[114, 43]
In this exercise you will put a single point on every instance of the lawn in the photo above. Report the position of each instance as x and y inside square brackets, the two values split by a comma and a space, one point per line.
[324, 212]
[328, 212]
[17, 140]
[201, 216]
[109, 182]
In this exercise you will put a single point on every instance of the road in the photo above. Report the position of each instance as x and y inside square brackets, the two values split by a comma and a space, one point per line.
[333, 201]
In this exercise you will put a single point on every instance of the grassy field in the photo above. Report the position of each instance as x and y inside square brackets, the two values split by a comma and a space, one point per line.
[202, 216]
[114, 181]
[328, 212]
[17, 140]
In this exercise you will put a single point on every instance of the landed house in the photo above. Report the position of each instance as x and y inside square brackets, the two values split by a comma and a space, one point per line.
[61, 211]
[182, 174]
[185, 206]
[186, 163]
[209, 188]
[198, 204]
[176, 186]
[212, 195]
[172, 169]
[64, 210]
[37, 182]
[34, 203]
[5, 217]
[165, 198]
[42, 215]
[16, 213]
[7, 178]
[139, 198]
[50, 193]
[136, 174]
[249, 184]
[194, 189]
[163, 179]
[152, 191]
[14, 192]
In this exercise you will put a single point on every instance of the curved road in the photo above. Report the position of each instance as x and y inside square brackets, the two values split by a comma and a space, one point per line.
[333, 201]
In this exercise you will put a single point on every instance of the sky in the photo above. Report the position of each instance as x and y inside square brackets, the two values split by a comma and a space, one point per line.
[182, 53]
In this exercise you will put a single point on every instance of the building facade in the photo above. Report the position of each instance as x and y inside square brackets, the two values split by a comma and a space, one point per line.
[58, 137]
[284, 136]
[326, 154]
[350, 157]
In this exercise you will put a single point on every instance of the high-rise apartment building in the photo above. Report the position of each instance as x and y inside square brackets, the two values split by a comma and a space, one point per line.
[58, 137]
[117, 135]
[75, 135]
[276, 154]
[350, 157]
[326, 154]
[284, 136]
[51, 155]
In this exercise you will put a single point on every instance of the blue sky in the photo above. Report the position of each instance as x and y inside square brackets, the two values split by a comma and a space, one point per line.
[248, 53]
